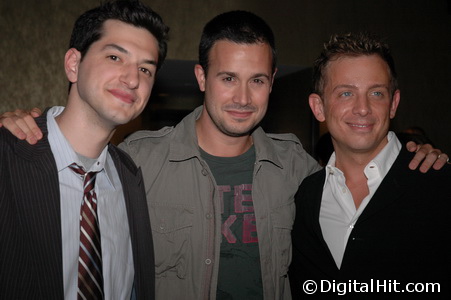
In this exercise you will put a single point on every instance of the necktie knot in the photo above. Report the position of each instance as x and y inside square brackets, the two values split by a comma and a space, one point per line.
[90, 177]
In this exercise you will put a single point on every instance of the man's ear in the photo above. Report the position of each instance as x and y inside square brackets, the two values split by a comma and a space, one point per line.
[272, 79]
[200, 76]
[317, 106]
[71, 63]
[395, 103]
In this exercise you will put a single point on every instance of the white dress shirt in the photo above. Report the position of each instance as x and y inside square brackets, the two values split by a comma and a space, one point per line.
[338, 213]
[117, 258]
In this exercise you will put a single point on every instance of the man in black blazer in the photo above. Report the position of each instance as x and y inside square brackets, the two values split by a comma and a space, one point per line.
[115, 51]
[366, 225]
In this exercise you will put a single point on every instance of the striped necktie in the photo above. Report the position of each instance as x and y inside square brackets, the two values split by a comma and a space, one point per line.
[90, 279]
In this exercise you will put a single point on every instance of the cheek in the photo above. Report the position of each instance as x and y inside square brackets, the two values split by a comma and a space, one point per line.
[262, 110]
[338, 111]
[329, 113]
[95, 78]
[217, 94]
[261, 97]
[146, 89]
[144, 102]
[385, 113]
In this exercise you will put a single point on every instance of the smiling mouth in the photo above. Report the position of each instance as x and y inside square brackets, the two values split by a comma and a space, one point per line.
[361, 127]
[240, 115]
[123, 96]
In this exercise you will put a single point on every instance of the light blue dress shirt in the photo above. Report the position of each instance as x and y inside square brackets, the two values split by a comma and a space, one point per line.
[118, 270]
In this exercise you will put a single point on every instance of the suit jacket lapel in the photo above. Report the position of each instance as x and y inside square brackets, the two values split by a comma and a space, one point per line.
[317, 195]
[330, 265]
[131, 183]
[139, 223]
[40, 210]
[390, 189]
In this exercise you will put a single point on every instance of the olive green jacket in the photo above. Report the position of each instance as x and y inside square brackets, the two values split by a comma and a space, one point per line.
[185, 214]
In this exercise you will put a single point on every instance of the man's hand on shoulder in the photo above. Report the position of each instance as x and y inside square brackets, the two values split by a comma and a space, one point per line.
[429, 157]
[21, 123]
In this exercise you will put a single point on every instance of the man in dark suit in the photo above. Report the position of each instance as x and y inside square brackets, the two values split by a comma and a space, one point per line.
[367, 226]
[73, 211]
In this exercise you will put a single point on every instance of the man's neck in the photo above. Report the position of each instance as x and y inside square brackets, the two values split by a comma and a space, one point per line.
[353, 166]
[85, 138]
[219, 144]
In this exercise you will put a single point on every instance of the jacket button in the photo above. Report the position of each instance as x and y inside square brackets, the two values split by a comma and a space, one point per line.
[204, 172]
[208, 261]
[208, 216]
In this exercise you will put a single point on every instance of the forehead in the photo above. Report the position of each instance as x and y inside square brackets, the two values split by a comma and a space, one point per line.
[227, 53]
[361, 70]
[121, 33]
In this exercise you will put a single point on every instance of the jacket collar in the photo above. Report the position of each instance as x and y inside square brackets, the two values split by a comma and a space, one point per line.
[184, 144]
[264, 148]
[392, 187]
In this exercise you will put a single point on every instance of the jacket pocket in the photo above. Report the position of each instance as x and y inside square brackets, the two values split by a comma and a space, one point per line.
[282, 219]
[171, 227]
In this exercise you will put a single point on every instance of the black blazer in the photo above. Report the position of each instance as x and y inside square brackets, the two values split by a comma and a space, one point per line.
[403, 234]
[30, 220]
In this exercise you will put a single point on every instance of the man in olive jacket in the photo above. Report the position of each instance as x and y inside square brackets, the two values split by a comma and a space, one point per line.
[221, 190]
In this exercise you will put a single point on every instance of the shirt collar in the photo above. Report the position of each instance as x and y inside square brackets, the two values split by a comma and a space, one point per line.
[63, 152]
[385, 159]
[379, 166]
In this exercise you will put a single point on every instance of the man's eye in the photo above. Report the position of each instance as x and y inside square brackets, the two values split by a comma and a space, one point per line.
[258, 81]
[377, 94]
[346, 94]
[114, 58]
[145, 71]
[228, 78]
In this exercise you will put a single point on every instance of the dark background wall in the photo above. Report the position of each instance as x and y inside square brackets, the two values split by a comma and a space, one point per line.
[34, 37]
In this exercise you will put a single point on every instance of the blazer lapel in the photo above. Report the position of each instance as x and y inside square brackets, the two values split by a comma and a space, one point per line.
[317, 195]
[139, 223]
[330, 265]
[390, 189]
[39, 208]
[131, 185]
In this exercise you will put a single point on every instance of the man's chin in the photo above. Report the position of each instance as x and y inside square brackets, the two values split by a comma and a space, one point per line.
[120, 120]
[238, 133]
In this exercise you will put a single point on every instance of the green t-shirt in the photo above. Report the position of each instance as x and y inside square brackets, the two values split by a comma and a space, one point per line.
[239, 264]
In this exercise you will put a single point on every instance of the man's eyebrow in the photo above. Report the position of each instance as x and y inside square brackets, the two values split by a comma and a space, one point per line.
[376, 86]
[351, 86]
[233, 74]
[261, 75]
[125, 51]
[344, 86]
[117, 47]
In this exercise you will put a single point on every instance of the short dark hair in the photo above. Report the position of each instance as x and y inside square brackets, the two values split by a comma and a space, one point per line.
[88, 27]
[352, 44]
[237, 26]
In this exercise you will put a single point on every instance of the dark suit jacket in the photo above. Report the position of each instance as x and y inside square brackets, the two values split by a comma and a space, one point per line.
[30, 220]
[403, 234]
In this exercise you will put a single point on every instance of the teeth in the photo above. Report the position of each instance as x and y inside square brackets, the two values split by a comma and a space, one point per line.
[361, 126]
